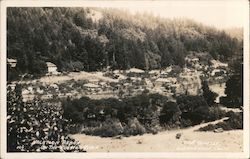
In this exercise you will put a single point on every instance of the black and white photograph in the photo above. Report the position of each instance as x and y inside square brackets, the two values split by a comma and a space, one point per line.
[124, 76]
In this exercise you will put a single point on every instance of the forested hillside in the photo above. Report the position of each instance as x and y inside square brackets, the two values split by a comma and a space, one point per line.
[91, 39]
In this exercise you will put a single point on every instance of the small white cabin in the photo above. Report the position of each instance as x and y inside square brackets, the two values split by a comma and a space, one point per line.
[52, 69]
[135, 70]
[12, 62]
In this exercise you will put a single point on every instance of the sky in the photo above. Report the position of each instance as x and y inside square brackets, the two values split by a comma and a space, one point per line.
[218, 13]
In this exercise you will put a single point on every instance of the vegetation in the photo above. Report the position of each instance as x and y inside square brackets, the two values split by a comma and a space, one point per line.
[12, 73]
[145, 113]
[234, 85]
[235, 121]
[71, 39]
[208, 94]
[36, 126]
[193, 108]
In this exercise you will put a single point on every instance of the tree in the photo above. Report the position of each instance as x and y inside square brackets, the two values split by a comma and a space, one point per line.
[120, 40]
[36, 126]
[208, 94]
[234, 85]
[170, 114]
[194, 108]
[12, 73]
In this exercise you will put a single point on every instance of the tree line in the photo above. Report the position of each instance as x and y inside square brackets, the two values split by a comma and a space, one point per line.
[71, 39]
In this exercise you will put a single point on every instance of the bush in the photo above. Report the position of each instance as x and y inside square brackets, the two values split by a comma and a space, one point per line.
[186, 123]
[229, 113]
[134, 127]
[170, 114]
[235, 121]
[230, 102]
[194, 108]
[209, 127]
[145, 113]
[109, 128]
[216, 112]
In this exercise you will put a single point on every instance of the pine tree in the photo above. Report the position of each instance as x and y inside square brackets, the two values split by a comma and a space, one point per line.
[208, 94]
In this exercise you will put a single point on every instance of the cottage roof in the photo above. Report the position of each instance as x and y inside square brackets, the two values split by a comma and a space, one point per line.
[11, 60]
[170, 79]
[94, 80]
[162, 80]
[90, 85]
[50, 64]
[154, 72]
[136, 70]
[217, 63]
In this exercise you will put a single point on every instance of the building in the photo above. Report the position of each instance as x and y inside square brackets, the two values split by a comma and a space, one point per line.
[52, 69]
[94, 81]
[12, 62]
[135, 70]
[165, 81]
[218, 64]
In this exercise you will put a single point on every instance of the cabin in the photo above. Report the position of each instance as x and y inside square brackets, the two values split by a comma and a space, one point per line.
[91, 86]
[12, 62]
[153, 73]
[52, 69]
[165, 81]
[135, 72]
[94, 81]
[218, 64]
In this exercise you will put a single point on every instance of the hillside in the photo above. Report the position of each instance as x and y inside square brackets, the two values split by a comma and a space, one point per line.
[235, 33]
[90, 39]
[191, 140]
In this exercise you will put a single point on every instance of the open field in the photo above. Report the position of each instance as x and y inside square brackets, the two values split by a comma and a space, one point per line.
[191, 140]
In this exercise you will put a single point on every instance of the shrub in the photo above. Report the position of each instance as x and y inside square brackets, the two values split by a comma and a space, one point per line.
[235, 121]
[230, 102]
[216, 112]
[134, 127]
[229, 113]
[224, 125]
[170, 114]
[194, 108]
[139, 114]
[209, 127]
[186, 123]
[109, 128]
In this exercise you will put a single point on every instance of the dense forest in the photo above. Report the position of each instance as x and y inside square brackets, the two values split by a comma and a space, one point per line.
[91, 39]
